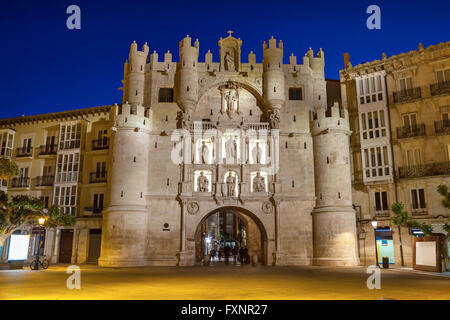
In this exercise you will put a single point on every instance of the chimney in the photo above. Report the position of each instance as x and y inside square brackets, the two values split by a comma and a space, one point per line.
[346, 60]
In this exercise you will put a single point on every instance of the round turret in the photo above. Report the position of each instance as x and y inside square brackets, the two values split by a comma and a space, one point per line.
[125, 217]
[274, 83]
[187, 76]
[334, 222]
[134, 75]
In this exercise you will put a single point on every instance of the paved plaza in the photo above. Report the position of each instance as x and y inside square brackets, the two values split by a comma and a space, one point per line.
[221, 282]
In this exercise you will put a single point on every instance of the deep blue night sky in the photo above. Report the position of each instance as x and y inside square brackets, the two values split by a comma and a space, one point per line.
[48, 68]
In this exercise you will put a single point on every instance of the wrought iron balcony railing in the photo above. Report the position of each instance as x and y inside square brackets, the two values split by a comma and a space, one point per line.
[411, 131]
[440, 88]
[20, 182]
[419, 211]
[100, 144]
[424, 170]
[24, 152]
[442, 127]
[381, 213]
[407, 95]
[47, 149]
[97, 177]
[44, 181]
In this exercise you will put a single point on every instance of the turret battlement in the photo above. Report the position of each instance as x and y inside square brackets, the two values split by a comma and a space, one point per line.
[335, 117]
[129, 116]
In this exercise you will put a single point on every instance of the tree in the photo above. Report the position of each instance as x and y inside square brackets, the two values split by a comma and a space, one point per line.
[8, 168]
[24, 210]
[443, 190]
[401, 218]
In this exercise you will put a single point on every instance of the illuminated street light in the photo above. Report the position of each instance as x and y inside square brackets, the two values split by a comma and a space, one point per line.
[374, 223]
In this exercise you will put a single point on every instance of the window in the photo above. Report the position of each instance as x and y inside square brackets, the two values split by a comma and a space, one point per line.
[443, 75]
[418, 199]
[373, 124]
[413, 157]
[101, 170]
[67, 167]
[98, 203]
[295, 94]
[381, 202]
[405, 84]
[65, 198]
[165, 95]
[70, 136]
[47, 171]
[46, 201]
[370, 89]
[6, 143]
[376, 162]
[410, 120]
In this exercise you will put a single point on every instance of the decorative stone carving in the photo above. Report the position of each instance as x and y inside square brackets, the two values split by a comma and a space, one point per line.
[202, 183]
[267, 207]
[231, 148]
[259, 183]
[275, 119]
[192, 207]
[231, 185]
[204, 153]
[230, 99]
[256, 154]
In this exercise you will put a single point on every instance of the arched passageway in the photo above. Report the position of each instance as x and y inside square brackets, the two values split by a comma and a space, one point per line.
[234, 228]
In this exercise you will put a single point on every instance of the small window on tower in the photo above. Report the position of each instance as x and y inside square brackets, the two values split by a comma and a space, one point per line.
[295, 94]
[165, 95]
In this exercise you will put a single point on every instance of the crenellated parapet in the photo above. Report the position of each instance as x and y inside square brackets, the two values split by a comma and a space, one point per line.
[134, 75]
[129, 116]
[335, 118]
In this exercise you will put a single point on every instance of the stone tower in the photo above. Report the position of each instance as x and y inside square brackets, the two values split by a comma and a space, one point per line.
[273, 75]
[334, 220]
[187, 75]
[125, 220]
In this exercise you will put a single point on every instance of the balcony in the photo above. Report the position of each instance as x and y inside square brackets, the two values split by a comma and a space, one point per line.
[44, 181]
[424, 170]
[419, 211]
[381, 213]
[97, 177]
[407, 95]
[411, 131]
[440, 88]
[24, 152]
[442, 127]
[20, 182]
[100, 144]
[47, 149]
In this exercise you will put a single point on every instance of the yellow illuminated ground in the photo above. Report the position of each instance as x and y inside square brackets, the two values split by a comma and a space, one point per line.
[220, 282]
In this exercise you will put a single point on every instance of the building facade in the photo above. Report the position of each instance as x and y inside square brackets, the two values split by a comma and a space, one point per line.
[398, 109]
[254, 142]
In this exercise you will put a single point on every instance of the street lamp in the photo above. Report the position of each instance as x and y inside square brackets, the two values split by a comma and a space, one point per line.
[374, 225]
[41, 222]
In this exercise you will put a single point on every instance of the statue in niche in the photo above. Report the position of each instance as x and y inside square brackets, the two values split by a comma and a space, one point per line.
[202, 182]
[229, 62]
[231, 185]
[231, 148]
[257, 153]
[259, 183]
[204, 153]
[275, 119]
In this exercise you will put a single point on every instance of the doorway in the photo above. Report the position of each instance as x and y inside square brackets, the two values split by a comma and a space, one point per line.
[95, 239]
[65, 246]
[385, 245]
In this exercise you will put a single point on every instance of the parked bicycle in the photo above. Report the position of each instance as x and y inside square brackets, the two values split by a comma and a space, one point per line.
[41, 262]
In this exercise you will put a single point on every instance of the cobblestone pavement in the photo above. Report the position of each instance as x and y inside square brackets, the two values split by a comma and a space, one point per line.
[220, 282]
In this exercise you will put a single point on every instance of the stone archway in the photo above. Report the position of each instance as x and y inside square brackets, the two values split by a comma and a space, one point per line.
[257, 240]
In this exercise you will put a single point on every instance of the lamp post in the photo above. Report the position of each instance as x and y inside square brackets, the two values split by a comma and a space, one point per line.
[374, 225]
[41, 222]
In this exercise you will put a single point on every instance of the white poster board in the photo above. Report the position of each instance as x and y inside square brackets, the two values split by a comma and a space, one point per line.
[426, 253]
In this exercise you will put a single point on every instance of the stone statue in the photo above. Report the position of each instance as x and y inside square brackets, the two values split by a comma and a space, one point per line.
[202, 182]
[231, 185]
[231, 148]
[257, 153]
[275, 119]
[229, 62]
[259, 184]
[204, 152]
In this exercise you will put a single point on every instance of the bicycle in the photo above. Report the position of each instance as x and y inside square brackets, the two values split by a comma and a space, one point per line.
[41, 262]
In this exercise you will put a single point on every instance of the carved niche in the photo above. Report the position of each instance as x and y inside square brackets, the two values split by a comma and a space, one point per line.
[230, 53]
